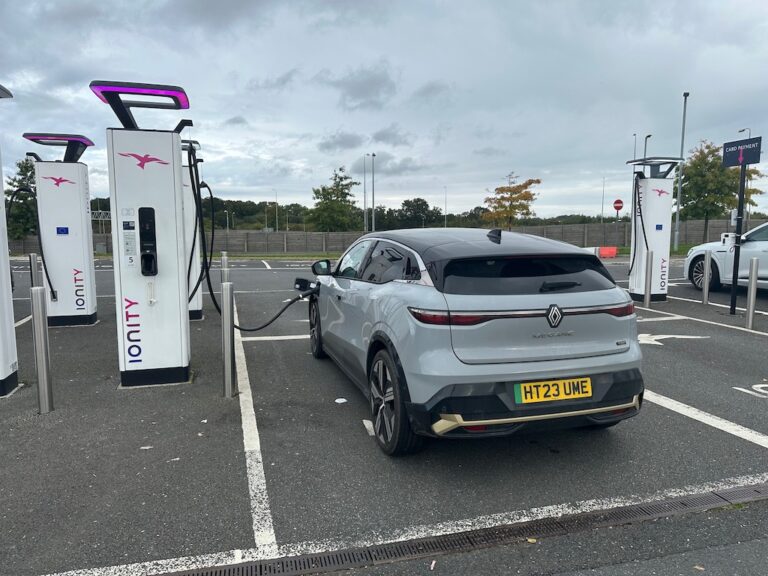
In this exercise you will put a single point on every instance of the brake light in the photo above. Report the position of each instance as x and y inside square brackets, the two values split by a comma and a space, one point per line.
[619, 311]
[444, 318]
[438, 317]
[468, 319]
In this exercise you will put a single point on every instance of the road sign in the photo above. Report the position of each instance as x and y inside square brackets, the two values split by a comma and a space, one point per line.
[742, 152]
[618, 204]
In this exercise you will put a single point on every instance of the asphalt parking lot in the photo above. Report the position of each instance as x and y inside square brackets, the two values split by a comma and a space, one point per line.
[163, 479]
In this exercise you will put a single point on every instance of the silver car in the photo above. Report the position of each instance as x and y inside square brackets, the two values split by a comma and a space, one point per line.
[458, 333]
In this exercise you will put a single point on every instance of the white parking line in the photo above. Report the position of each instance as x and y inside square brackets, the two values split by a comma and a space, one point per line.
[707, 418]
[374, 538]
[739, 328]
[662, 319]
[368, 427]
[713, 304]
[271, 338]
[517, 517]
[23, 321]
[261, 516]
[266, 264]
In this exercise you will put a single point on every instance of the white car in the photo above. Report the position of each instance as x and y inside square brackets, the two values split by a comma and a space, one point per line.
[754, 244]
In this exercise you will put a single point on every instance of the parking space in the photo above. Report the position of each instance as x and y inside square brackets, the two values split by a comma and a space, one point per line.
[174, 477]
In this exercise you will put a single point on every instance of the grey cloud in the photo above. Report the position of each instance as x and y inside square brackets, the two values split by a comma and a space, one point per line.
[431, 91]
[489, 151]
[276, 83]
[205, 14]
[236, 121]
[392, 135]
[336, 13]
[363, 88]
[386, 163]
[340, 141]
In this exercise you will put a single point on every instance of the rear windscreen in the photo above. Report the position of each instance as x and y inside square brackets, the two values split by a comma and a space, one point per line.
[525, 275]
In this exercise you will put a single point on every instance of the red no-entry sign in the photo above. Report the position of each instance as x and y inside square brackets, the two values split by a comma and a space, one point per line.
[618, 205]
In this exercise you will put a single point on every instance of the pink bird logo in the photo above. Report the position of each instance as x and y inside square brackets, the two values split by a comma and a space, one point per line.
[660, 192]
[58, 181]
[143, 160]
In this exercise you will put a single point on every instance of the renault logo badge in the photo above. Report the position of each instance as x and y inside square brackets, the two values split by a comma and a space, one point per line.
[554, 316]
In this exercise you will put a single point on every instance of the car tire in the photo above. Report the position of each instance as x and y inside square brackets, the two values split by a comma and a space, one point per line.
[391, 427]
[696, 274]
[315, 334]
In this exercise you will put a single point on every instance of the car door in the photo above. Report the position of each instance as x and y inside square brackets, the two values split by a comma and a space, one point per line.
[755, 246]
[342, 318]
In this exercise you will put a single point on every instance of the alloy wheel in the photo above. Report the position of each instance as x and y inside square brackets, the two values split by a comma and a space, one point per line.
[313, 325]
[382, 402]
[697, 275]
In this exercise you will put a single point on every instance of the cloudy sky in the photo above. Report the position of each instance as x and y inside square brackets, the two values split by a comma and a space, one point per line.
[450, 95]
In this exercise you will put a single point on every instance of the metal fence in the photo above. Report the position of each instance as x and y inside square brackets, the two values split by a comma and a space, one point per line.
[255, 242]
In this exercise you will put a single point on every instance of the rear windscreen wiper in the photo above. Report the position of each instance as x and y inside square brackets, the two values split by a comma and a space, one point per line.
[550, 286]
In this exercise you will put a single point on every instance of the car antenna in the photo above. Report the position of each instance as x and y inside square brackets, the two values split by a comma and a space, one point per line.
[495, 235]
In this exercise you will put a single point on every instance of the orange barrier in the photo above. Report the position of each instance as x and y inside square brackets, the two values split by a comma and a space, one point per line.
[608, 251]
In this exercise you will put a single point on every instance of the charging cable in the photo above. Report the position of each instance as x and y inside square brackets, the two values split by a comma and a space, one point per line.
[54, 295]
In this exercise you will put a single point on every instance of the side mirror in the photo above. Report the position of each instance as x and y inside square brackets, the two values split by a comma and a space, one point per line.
[321, 268]
[302, 284]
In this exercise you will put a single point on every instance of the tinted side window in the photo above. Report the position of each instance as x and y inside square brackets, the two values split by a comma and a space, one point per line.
[525, 275]
[389, 262]
[759, 236]
[352, 262]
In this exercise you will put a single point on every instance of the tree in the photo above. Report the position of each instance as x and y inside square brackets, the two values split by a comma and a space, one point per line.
[511, 201]
[23, 217]
[333, 209]
[709, 188]
[416, 213]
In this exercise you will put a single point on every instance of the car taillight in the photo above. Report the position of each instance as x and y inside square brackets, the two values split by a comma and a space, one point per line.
[444, 318]
[438, 317]
[625, 310]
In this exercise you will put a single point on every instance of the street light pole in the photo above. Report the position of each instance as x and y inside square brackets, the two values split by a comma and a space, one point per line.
[680, 174]
[645, 149]
[277, 220]
[373, 192]
[602, 203]
[365, 199]
[445, 224]
[226, 215]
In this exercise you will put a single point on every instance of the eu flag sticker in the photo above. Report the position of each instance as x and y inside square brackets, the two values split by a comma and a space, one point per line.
[659, 226]
[62, 230]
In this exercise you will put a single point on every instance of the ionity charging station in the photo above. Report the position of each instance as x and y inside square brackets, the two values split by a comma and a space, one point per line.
[64, 216]
[148, 236]
[651, 226]
[9, 378]
[192, 236]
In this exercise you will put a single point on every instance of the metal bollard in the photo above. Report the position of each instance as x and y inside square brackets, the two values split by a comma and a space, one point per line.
[34, 271]
[228, 337]
[224, 267]
[754, 264]
[707, 275]
[648, 279]
[42, 352]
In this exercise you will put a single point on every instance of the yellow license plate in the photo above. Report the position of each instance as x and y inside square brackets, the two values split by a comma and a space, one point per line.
[551, 390]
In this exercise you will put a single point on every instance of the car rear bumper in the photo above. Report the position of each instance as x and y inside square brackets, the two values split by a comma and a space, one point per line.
[481, 410]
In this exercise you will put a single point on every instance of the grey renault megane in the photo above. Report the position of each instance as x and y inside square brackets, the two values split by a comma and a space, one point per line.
[458, 333]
